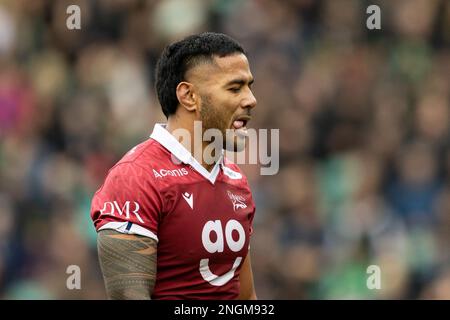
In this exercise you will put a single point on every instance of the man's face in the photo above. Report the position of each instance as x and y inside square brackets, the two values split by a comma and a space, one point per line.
[226, 98]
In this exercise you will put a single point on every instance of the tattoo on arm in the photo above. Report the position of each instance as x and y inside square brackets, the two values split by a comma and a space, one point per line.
[128, 264]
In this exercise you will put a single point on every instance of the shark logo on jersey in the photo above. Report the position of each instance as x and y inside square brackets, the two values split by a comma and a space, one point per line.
[238, 201]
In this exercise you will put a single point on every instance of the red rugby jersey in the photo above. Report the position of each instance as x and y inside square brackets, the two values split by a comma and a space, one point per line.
[202, 220]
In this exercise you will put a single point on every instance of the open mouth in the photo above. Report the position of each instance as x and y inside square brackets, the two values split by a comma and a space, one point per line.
[241, 122]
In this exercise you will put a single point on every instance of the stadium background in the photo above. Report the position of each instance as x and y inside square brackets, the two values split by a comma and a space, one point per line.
[364, 135]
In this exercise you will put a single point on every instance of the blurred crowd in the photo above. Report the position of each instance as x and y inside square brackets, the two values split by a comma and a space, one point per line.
[364, 119]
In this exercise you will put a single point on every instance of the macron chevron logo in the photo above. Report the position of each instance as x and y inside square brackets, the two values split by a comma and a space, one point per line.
[189, 199]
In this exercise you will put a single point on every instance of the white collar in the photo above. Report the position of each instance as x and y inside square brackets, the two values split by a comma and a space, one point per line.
[168, 141]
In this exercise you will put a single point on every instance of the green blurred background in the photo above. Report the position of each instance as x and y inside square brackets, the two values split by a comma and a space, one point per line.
[364, 138]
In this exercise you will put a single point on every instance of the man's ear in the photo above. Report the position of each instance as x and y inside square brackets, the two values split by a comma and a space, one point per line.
[187, 96]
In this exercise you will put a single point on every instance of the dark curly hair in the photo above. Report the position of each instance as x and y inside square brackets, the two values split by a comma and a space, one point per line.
[183, 55]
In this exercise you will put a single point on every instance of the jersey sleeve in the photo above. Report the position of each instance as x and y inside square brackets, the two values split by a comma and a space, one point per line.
[251, 218]
[128, 202]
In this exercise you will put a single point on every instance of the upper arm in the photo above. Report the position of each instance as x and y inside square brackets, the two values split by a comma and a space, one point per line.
[128, 264]
[125, 212]
[247, 288]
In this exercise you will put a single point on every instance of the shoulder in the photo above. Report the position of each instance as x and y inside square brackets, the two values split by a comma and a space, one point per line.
[232, 170]
[135, 168]
[141, 159]
[144, 154]
[234, 174]
[130, 184]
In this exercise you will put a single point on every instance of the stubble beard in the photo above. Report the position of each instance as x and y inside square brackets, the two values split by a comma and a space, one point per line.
[211, 120]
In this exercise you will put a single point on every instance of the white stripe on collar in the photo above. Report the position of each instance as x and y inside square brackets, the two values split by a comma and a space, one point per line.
[168, 141]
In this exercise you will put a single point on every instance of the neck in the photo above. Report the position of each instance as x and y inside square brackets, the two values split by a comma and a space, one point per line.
[177, 123]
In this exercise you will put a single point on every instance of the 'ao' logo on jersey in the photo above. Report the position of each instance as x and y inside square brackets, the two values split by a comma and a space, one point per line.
[238, 201]
[113, 208]
[215, 227]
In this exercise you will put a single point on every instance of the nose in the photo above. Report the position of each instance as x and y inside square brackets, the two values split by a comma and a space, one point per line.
[250, 102]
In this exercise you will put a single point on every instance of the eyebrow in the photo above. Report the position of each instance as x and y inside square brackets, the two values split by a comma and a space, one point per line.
[239, 82]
